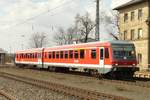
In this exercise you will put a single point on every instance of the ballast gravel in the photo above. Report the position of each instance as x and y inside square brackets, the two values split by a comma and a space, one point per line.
[22, 91]
[129, 91]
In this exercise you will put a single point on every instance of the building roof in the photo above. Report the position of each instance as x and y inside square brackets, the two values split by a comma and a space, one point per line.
[129, 2]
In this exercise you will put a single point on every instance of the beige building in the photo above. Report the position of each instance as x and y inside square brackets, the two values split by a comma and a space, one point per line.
[134, 27]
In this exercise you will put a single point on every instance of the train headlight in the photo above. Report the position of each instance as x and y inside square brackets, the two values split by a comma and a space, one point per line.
[133, 64]
[116, 64]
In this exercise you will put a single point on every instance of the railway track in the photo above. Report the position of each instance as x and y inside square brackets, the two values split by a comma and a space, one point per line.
[66, 90]
[133, 82]
[6, 95]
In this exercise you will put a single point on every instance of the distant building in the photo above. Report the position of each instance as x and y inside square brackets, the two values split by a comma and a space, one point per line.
[2, 56]
[134, 27]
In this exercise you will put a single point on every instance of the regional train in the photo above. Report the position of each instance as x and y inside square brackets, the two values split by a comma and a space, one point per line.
[113, 58]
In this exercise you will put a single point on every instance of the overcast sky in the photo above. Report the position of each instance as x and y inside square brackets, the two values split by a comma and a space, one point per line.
[20, 18]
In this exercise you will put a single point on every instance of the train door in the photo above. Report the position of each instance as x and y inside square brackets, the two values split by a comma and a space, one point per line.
[101, 57]
[39, 56]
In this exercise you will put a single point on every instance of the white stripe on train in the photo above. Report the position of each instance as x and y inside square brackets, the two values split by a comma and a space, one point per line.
[66, 64]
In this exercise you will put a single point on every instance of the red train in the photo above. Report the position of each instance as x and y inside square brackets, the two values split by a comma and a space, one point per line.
[115, 58]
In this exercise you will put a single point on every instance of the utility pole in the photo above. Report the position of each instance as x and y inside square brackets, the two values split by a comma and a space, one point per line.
[97, 22]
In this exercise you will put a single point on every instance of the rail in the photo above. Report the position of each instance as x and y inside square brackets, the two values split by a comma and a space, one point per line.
[8, 96]
[67, 90]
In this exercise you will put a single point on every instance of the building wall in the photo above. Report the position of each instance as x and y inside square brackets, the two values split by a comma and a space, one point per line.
[141, 43]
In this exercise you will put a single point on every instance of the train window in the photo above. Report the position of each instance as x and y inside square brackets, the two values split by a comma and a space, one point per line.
[53, 54]
[45, 54]
[106, 53]
[39, 55]
[81, 53]
[101, 54]
[76, 54]
[93, 54]
[35, 55]
[57, 54]
[66, 54]
[22, 55]
[61, 54]
[25, 55]
[31, 55]
[70, 53]
[49, 55]
[16, 55]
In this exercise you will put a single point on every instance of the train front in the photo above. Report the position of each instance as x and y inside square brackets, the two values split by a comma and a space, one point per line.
[123, 60]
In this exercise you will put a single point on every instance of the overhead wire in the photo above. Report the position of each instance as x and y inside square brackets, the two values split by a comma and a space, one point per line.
[41, 14]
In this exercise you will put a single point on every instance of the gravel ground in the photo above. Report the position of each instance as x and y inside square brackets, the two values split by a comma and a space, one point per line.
[23, 91]
[129, 91]
[2, 97]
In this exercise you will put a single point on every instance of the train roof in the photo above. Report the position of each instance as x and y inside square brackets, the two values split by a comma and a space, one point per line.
[30, 50]
[90, 44]
[73, 46]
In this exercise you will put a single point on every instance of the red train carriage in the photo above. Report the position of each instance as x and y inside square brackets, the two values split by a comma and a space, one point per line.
[111, 57]
[29, 57]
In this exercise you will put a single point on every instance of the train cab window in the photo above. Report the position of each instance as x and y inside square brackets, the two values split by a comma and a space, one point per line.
[76, 54]
[93, 54]
[106, 53]
[82, 54]
[61, 54]
[57, 54]
[70, 54]
[66, 54]
[53, 54]
[49, 55]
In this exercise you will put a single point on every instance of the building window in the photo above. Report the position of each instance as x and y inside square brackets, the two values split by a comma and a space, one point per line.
[125, 35]
[82, 54]
[132, 34]
[132, 16]
[125, 17]
[139, 58]
[93, 54]
[140, 33]
[140, 14]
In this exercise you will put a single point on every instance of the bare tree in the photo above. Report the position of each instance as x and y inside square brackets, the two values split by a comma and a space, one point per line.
[78, 32]
[111, 23]
[84, 25]
[71, 35]
[38, 40]
[60, 36]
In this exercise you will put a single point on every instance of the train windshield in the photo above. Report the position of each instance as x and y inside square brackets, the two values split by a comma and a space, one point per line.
[124, 52]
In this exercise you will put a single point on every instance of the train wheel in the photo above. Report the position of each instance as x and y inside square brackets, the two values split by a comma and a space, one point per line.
[95, 73]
